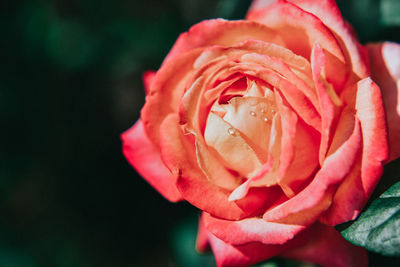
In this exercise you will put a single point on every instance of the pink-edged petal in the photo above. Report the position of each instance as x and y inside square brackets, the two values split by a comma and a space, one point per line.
[148, 78]
[298, 28]
[289, 125]
[168, 84]
[328, 12]
[385, 68]
[227, 255]
[297, 100]
[211, 166]
[241, 191]
[221, 32]
[318, 243]
[318, 62]
[299, 149]
[202, 243]
[146, 159]
[179, 154]
[281, 66]
[326, 247]
[305, 207]
[350, 192]
[371, 113]
[354, 192]
[250, 230]
[348, 200]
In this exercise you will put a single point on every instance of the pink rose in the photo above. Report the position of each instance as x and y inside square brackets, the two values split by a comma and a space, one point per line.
[276, 127]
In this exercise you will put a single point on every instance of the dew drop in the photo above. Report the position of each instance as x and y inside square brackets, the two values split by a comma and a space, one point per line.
[252, 113]
[265, 119]
[231, 131]
[262, 110]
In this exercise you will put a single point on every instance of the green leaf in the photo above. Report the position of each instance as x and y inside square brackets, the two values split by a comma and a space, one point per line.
[378, 228]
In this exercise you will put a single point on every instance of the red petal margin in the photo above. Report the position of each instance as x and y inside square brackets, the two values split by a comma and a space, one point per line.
[221, 32]
[148, 78]
[319, 243]
[250, 230]
[178, 153]
[145, 158]
[318, 62]
[354, 192]
[299, 29]
[328, 12]
[385, 68]
[325, 246]
[306, 207]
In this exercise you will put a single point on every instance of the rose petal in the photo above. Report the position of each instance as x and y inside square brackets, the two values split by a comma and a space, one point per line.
[244, 114]
[250, 230]
[350, 192]
[326, 247]
[281, 67]
[211, 165]
[371, 113]
[318, 62]
[305, 207]
[289, 125]
[232, 147]
[145, 158]
[300, 29]
[352, 195]
[227, 255]
[241, 191]
[297, 100]
[202, 243]
[221, 32]
[298, 158]
[169, 83]
[318, 243]
[328, 12]
[179, 154]
[148, 78]
[385, 68]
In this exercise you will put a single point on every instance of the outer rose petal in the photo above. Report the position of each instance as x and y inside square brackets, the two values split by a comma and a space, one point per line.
[298, 28]
[250, 230]
[318, 243]
[328, 12]
[352, 195]
[179, 156]
[326, 246]
[385, 68]
[221, 32]
[145, 158]
[148, 78]
[305, 207]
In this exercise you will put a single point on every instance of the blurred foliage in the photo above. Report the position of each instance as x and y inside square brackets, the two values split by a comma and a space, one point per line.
[70, 83]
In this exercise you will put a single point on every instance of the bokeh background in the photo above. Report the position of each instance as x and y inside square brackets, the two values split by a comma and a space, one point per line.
[70, 83]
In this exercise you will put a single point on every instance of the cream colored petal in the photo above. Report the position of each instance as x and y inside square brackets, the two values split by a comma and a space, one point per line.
[231, 146]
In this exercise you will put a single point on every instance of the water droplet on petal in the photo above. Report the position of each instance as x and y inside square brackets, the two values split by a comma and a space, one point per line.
[262, 110]
[252, 113]
[231, 131]
[265, 119]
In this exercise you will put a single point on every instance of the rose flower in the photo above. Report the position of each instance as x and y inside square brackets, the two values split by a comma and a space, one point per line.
[276, 127]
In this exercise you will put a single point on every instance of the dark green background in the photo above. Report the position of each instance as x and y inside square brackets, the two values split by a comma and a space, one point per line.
[70, 83]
